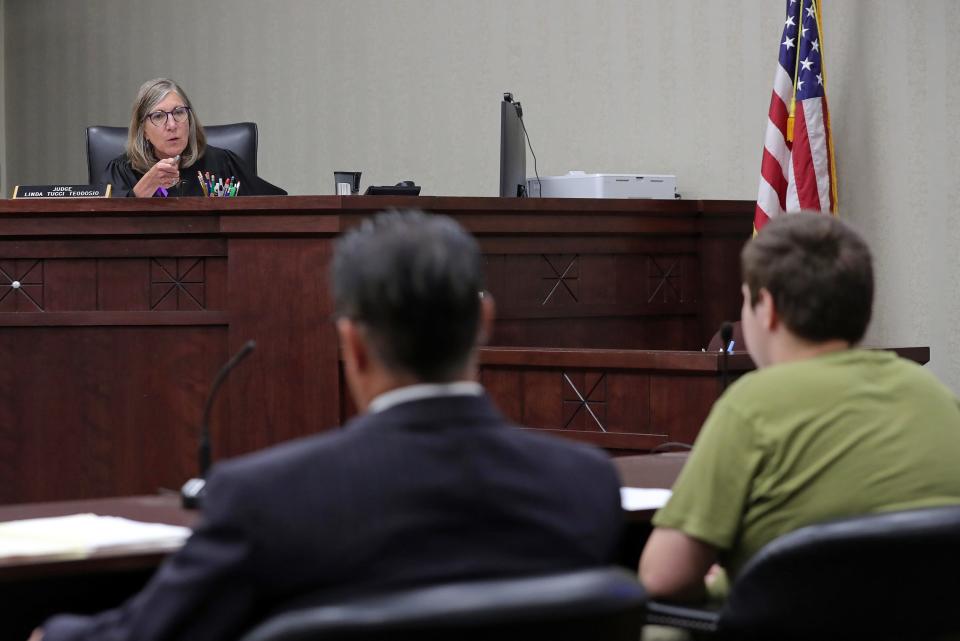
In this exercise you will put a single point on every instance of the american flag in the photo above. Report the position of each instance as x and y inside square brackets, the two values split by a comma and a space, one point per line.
[798, 170]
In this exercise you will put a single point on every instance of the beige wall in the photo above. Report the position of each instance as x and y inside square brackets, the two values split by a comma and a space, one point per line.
[411, 90]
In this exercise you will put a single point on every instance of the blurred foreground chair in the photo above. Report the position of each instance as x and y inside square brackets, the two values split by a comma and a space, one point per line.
[589, 605]
[884, 576]
[106, 143]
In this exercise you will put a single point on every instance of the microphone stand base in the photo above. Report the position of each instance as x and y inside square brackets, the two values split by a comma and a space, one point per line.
[192, 493]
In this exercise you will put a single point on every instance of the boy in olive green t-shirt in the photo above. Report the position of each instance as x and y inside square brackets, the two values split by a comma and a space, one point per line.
[820, 432]
[844, 433]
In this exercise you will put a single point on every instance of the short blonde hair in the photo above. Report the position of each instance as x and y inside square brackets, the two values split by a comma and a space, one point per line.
[139, 149]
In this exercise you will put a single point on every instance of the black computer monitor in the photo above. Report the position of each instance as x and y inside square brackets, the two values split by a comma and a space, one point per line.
[513, 152]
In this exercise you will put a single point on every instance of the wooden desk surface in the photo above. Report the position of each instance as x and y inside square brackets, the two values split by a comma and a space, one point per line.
[650, 470]
[647, 471]
[635, 471]
[35, 589]
[150, 509]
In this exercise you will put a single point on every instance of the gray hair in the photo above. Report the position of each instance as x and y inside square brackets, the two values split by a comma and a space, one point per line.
[139, 149]
[413, 281]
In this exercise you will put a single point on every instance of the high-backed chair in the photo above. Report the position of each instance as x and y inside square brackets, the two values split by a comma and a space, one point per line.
[106, 143]
[883, 576]
[589, 605]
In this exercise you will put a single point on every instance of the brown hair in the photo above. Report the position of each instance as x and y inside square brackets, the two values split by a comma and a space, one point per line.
[139, 149]
[819, 273]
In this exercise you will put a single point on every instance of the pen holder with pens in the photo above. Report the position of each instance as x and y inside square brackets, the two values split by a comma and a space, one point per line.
[214, 187]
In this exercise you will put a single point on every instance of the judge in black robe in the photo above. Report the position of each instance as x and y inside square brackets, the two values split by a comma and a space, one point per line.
[167, 147]
[221, 163]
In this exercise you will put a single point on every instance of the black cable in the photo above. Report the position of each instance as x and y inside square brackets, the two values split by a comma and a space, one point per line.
[530, 145]
[671, 446]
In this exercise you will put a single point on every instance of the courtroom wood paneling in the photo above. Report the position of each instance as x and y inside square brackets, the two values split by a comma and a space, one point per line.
[628, 397]
[130, 305]
[679, 404]
[26, 286]
[90, 411]
[625, 283]
[572, 399]
[83, 247]
[541, 404]
[534, 285]
[113, 319]
[66, 285]
[289, 385]
[657, 332]
[161, 283]
[720, 246]
[623, 400]
[123, 284]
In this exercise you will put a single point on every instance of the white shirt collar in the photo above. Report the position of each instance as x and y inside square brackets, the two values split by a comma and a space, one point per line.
[422, 391]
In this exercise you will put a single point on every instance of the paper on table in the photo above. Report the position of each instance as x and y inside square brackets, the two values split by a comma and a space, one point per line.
[80, 535]
[643, 498]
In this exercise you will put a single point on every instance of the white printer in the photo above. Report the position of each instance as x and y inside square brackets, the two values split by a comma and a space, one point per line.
[579, 184]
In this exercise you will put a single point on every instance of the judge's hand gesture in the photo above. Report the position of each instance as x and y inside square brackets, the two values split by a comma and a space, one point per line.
[166, 174]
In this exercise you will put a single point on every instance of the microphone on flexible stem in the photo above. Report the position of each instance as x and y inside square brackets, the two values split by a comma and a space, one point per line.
[191, 494]
[726, 335]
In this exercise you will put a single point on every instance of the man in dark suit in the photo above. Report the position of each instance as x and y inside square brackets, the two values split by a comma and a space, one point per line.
[429, 484]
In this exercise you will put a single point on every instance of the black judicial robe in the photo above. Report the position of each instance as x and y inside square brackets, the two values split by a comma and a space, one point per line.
[222, 163]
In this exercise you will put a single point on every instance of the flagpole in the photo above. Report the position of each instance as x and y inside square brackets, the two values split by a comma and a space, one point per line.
[792, 115]
[826, 114]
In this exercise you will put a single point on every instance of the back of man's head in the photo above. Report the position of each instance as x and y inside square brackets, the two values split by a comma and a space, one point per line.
[819, 273]
[412, 281]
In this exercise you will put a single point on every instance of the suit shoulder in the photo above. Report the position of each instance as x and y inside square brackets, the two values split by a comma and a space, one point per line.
[281, 456]
[307, 449]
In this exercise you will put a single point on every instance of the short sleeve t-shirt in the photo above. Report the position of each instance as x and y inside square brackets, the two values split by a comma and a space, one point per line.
[845, 433]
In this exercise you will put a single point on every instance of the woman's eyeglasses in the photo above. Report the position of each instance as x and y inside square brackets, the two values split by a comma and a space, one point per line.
[159, 118]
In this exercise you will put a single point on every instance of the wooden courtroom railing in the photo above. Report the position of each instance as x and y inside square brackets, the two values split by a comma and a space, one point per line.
[623, 400]
[115, 315]
[626, 401]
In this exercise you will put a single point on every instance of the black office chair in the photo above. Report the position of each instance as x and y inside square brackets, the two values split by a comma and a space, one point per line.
[588, 605]
[884, 576]
[106, 143]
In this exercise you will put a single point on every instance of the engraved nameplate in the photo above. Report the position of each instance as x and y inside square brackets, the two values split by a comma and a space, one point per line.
[62, 191]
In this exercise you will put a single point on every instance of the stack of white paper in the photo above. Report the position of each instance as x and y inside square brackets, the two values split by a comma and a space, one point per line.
[643, 498]
[80, 535]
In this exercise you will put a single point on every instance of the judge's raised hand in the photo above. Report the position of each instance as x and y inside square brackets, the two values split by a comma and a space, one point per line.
[166, 174]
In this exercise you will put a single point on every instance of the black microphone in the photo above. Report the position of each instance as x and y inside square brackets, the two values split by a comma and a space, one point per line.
[191, 494]
[726, 335]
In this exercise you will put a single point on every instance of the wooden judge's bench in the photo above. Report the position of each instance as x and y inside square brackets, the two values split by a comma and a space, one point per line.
[116, 314]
